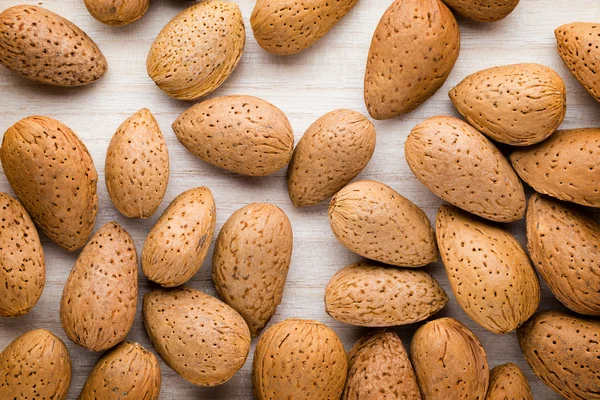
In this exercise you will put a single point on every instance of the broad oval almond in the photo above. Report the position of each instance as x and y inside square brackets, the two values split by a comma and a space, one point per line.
[507, 381]
[374, 221]
[483, 10]
[334, 149]
[117, 12]
[374, 295]
[460, 165]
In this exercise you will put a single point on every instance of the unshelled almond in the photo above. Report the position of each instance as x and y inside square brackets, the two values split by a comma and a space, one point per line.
[507, 382]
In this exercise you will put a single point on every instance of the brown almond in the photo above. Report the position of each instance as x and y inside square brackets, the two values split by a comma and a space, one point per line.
[507, 382]
[483, 10]
[117, 12]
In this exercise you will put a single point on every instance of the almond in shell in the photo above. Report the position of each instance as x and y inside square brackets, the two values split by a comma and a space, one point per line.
[483, 10]
[507, 382]
[117, 12]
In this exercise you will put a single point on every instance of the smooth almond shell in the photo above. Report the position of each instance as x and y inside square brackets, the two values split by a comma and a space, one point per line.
[564, 166]
[519, 104]
[251, 261]
[117, 12]
[449, 361]
[483, 10]
[334, 149]
[199, 337]
[379, 368]
[563, 351]
[197, 50]
[99, 300]
[304, 352]
[460, 165]
[413, 50]
[507, 382]
[128, 371]
[564, 245]
[22, 266]
[287, 27]
[374, 221]
[137, 166]
[35, 365]
[375, 295]
[62, 198]
[242, 134]
[45, 47]
[177, 245]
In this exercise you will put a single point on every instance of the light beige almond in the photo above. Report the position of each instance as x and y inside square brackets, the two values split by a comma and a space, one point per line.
[117, 12]
[507, 382]
[483, 10]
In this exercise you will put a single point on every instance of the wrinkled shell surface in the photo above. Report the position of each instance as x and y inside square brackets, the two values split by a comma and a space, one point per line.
[197, 50]
[483, 10]
[51, 171]
[374, 221]
[137, 166]
[251, 261]
[100, 297]
[507, 382]
[563, 351]
[117, 12]
[520, 104]
[242, 134]
[22, 266]
[45, 47]
[199, 337]
[331, 153]
[375, 295]
[460, 165]
[413, 50]
[304, 352]
[177, 245]
[565, 166]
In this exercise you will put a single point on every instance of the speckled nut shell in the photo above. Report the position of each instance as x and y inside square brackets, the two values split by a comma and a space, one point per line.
[507, 382]
[117, 12]
[483, 10]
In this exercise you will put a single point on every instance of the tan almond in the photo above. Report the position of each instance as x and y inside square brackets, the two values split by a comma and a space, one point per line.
[507, 382]
[483, 10]
[117, 12]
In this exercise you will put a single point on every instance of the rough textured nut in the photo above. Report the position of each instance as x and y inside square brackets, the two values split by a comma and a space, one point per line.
[463, 167]
[137, 166]
[251, 261]
[520, 104]
[483, 10]
[117, 12]
[127, 372]
[62, 198]
[490, 273]
[199, 337]
[242, 134]
[578, 46]
[45, 47]
[197, 50]
[564, 245]
[414, 48]
[374, 295]
[99, 300]
[564, 166]
[378, 368]
[449, 361]
[22, 266]
[374, 221]
[507, 382]
[177, 245]
[287, 27]
[36, 365]
[563, 351]
[304, 352]
[330, 154]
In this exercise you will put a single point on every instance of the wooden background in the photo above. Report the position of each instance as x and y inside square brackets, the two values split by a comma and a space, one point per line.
[323, 78]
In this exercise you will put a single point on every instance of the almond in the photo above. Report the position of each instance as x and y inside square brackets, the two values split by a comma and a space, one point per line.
[117, 12]
[507, 382]
[374, 221]
[197, 50]
[299, 359]
[99, 300]
[413, 50]
[251, 261]
[483, 10]
[199, 337]
[564, 166]
[520, 104]
[177, 245]
[22, 266]
[62, 200]
[563, 351]
[137, 166]
[564, 246]
[331, 153]
[373, 295]
[460, 165]
[45, 47]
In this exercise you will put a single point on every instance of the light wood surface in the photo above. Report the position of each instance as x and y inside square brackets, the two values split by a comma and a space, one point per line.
[323, 78]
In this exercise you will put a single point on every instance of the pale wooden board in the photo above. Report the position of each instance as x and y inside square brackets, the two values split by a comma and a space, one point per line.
[305, 86]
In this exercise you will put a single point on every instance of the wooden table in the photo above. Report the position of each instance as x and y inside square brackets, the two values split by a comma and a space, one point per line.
[326, 77]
